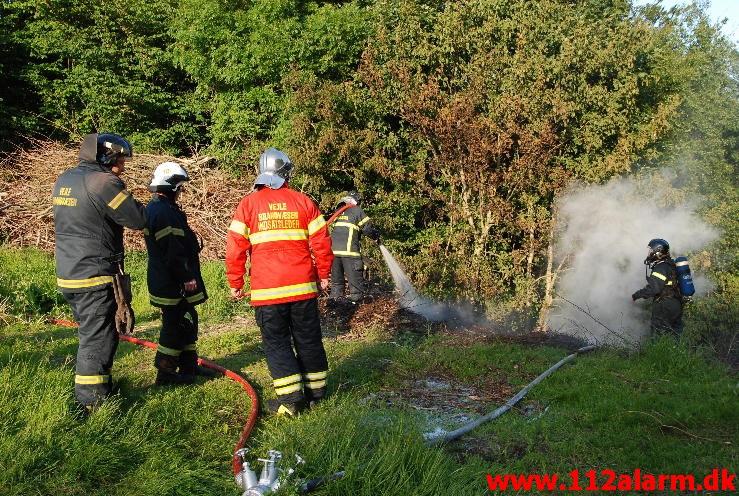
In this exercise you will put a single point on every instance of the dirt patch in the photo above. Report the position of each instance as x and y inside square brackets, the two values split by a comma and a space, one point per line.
[443, 401]
[381, 310]
[471, 446]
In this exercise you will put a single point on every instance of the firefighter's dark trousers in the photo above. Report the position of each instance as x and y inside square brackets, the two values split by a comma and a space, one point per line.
[287, 325]
[177, 340]
[95, 312]
[667, 316]
[350, 268]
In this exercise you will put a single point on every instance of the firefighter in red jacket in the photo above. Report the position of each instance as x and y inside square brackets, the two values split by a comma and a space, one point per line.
[283, 234]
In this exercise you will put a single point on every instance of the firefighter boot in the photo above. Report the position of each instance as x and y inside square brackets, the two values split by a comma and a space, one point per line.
[288, 409]
[314, 396]
[189, 366]
[167, 371]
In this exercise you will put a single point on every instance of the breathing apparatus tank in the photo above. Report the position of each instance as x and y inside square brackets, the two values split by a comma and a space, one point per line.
[684, 278]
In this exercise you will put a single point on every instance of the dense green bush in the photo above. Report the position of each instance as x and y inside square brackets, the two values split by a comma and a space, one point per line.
[459, 121]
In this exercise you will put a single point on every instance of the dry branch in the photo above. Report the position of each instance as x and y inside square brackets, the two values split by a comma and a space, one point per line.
[27, 176]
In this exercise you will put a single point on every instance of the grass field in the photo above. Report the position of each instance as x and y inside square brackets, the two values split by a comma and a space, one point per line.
[666, 409]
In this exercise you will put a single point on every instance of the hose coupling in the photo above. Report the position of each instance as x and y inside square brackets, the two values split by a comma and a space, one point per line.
[271, 477]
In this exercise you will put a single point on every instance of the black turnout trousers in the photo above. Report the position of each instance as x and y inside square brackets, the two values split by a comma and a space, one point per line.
[95, 312]
[178, 339]
[287, 325]
[179, 326]
[352, 268]
[667, 316]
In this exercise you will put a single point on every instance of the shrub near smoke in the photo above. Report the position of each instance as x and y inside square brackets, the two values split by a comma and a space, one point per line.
[604, 231]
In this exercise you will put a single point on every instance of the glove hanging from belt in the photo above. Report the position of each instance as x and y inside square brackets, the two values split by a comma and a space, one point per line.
[124, 317]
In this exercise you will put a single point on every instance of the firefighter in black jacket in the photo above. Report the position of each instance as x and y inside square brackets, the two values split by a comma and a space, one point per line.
[174, 279]
[662, 286]
[345, 243]
[91, 208]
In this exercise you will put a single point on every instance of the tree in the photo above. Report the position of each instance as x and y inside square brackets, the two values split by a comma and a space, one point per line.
[106, 65]
[474, 114]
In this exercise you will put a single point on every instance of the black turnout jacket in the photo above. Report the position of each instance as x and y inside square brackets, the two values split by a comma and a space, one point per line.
[173, 255]
[91, 208]
[347, 231]
[661, 282]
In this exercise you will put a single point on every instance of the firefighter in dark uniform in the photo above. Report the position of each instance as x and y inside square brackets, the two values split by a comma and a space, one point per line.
[173, 277]
[284, 236]
[91, 208]
[662, 286]
[346, 238]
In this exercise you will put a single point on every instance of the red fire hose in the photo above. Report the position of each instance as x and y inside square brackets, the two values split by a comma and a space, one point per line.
[253, 414]
[338, 212]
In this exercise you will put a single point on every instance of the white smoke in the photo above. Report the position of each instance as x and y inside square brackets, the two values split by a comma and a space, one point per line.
[604, 231]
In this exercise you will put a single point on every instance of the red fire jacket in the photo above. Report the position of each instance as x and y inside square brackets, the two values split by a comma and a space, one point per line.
[284, 235]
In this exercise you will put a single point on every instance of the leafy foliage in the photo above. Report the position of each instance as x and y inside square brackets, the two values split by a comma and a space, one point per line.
[459, 121]
[475, 114]
[107, 66]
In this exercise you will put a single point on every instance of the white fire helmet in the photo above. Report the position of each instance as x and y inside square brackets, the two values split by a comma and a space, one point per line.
[168, 176]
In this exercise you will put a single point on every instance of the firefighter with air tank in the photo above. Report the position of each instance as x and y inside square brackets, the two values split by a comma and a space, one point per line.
[669, 282]
[91, 208]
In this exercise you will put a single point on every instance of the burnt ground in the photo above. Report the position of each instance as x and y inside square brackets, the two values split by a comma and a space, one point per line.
[439, 398]
[345, 320]
[381, 311]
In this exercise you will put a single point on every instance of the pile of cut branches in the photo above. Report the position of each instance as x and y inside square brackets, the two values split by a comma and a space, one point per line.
[27, 176]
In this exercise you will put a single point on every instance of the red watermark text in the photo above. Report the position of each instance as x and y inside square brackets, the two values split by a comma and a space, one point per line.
[718, 479]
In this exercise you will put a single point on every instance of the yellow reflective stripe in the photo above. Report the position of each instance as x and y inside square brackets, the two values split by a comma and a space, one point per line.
[288, 389]
[668, 283]
[91, 379]
[284, 291]
[83, 283]
[146, 231]
[349, 240]
[316, 225]
[347, 253]
[682, 263]
[346, 224]
[168, 351]
[283, 410]
[168, 230]
[195, 297]
[119, 198]
[315, 376]
[164, 301]
[363, 221]
[284, 381]
[239, 228]
[316, 384]
[278, 235]
[659, 276]
[190, 347]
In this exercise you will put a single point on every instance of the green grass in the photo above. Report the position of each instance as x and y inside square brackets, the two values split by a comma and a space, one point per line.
[605, 410]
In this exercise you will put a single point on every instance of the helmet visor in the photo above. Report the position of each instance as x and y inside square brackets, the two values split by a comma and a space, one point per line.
[270, 180]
